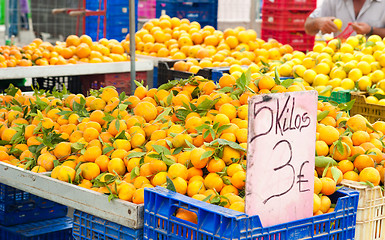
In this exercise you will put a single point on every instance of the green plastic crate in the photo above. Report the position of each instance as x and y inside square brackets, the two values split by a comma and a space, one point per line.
[2, 11]
[339, 97]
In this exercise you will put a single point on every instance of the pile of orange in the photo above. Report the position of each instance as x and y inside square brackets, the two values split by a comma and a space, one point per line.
[138, 141]
[74, 50]
[180, 38]
[354, 143]
[190, 137]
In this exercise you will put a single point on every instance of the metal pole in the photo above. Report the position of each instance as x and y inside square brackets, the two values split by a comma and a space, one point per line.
[18, 23]
[253, 13]
[132, 43]
[6, 20]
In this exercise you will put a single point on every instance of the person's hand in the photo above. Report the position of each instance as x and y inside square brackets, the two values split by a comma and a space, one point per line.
[326, 24]
[361, 27]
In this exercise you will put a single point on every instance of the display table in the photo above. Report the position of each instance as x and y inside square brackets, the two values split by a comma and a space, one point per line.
[97, 204]
[74, 69]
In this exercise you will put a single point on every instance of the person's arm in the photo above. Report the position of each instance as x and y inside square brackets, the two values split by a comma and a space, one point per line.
[325, 24]
[364, 28]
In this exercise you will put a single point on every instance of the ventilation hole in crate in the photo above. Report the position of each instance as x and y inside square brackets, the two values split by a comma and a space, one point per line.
[160, 223]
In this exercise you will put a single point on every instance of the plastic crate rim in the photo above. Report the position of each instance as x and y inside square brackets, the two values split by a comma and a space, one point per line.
[170, 194]
[345, 191]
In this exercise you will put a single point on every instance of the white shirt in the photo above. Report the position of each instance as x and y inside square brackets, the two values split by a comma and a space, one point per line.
[372, 12]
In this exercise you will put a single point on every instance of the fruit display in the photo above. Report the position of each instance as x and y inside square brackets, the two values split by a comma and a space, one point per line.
[179, 39]
[188, 135]
[355, 64]
[73, 51]
[136, 141]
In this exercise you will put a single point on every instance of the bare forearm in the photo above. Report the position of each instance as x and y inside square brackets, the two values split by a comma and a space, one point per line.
[325, 24]
[311, 27]
[379, 31]
[365, 28]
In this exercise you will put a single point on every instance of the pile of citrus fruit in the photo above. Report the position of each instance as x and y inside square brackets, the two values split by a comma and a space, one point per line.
[74, 50]
[348, 148]
[355, 64]
[180, 38]
[188, 135]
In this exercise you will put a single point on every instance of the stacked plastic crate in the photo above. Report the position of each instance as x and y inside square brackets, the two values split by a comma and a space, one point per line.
[27, 217]
[87, 226]
[203, 11]
[117, 14]
[284, 21]
[146, 9]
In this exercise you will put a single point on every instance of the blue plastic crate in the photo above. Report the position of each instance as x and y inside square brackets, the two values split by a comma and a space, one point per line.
[18, 207]
[87, 226]
[217, 73]
[114, 7]
[117, 30]
[10, 195]
[216, 222]
[203, 11]
[118, 20]
[56, 229]
[155, 77]
[110, 24]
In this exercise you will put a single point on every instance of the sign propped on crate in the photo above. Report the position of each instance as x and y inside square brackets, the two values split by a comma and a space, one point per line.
[281, 151]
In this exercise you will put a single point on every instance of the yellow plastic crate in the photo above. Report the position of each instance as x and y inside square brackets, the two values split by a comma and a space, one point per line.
[373, 112]
[370, 211]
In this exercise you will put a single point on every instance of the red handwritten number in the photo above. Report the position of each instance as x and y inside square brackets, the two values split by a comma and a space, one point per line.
[283, 166]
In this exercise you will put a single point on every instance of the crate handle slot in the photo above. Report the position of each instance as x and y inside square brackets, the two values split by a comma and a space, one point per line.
[174, 208]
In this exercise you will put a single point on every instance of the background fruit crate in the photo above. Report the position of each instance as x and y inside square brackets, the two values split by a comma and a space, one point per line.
[370, 211]
[87, 226]
[56, 229]
[288, 20]
[117, 26]
[165, 73]
[216, 222]
[217, 73]
[339, 97]
[18, 207]
[121, 81]
[72, 83]
[203, 11]
[290, 4]
[372, 112]
[114, 30]
[147, 9]
[299, 40]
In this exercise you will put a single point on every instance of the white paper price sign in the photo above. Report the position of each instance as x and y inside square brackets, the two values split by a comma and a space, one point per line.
[280, 157]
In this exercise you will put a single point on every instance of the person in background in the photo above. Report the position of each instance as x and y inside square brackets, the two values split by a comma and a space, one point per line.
[13, 18]
[366, 17]
[18, 14]
[24, 11]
